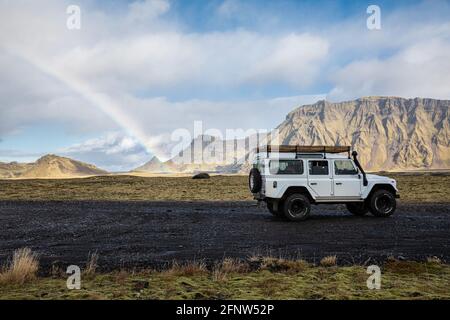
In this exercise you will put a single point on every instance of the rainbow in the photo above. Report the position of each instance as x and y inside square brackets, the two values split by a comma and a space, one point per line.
[100, 100]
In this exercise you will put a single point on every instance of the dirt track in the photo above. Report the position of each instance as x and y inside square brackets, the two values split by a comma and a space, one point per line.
[152, 233]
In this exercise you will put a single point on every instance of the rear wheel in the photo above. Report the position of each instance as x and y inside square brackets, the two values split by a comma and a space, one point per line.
[297, 207]
[275, 209]
[357, 208]
[382, 203]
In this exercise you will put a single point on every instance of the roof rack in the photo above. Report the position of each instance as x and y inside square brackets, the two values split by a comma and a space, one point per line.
[303, 149]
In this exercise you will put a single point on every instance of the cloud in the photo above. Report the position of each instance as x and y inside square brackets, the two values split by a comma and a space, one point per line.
[89, 86]
[228, 7]
[39, 99]
[113, 151]
[147, 9]
[170, 60]
[295, 60]
[408, 57]
[420, 70]
[222, 115]
[11, 155]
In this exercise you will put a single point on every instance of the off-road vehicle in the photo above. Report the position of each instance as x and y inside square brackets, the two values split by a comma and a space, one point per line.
[291, 178]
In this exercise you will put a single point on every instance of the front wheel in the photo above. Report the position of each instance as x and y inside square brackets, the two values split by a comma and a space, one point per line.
[297, 207]
[357, 208]
[382, 203]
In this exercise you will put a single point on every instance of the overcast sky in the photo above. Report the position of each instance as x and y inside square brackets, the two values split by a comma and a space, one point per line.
[112, 92]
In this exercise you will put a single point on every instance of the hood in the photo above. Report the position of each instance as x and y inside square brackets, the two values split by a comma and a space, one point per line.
[376, 177]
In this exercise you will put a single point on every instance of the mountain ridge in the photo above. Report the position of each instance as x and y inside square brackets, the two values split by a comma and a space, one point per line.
[389, 133]
[49, 166]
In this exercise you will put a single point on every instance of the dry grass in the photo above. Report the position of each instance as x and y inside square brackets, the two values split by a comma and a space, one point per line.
[274, 264]
[434, 260]
[414, 187]
[328, 261]
[227, 266]
[22, 268]
[114, 188]
[91, 264]
[186, 269]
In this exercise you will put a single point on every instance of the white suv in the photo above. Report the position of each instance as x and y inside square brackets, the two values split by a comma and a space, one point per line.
[291, 178]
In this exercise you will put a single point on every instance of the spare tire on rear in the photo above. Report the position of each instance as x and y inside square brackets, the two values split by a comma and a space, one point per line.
[254, 180]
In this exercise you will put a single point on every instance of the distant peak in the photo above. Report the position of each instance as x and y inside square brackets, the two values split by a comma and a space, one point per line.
[49, 156]
[155, 159]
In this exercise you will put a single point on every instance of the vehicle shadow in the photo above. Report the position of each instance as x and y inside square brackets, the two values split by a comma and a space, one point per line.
[329, 217]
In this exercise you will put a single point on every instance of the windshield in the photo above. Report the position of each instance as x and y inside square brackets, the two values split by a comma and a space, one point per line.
[344, 167]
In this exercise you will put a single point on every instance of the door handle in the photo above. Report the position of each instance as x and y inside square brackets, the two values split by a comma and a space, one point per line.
[338, 183]
[313, 183]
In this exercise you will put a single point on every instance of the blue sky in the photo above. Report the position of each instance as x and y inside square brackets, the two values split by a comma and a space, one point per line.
[112, 92]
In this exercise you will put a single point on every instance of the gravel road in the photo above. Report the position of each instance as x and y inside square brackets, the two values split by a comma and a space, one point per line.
[143, 234]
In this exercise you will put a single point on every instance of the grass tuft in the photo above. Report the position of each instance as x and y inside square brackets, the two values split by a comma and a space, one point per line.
[328, 261]
[228, 266]
[22, 268]
[187, 269]
[434, 260]
[277, 264]
[91, 264]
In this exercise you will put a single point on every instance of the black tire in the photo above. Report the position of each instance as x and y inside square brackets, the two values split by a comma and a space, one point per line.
[297, 207]
[382, 203]
[357, 208]
[277, 213]
[254, 181]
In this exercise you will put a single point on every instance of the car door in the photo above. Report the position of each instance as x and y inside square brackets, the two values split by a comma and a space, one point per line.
[320, 178]
[347, 181]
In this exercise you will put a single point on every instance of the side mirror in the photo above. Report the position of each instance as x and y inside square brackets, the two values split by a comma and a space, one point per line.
[359, 176]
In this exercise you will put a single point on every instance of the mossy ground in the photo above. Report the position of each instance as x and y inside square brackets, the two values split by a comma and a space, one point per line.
[399, 280]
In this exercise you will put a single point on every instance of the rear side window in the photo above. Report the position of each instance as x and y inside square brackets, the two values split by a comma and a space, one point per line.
[286, 167]
[319, 167]
[344, 167]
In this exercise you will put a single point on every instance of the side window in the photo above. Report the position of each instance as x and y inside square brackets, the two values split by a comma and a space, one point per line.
[286, 167]
[344, 167]
[319, 167]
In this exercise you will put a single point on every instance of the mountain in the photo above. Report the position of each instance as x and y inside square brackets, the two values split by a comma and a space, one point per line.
[205, 153]
[389, 133]
[13, 169]
[49, 166]
[155, 165]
